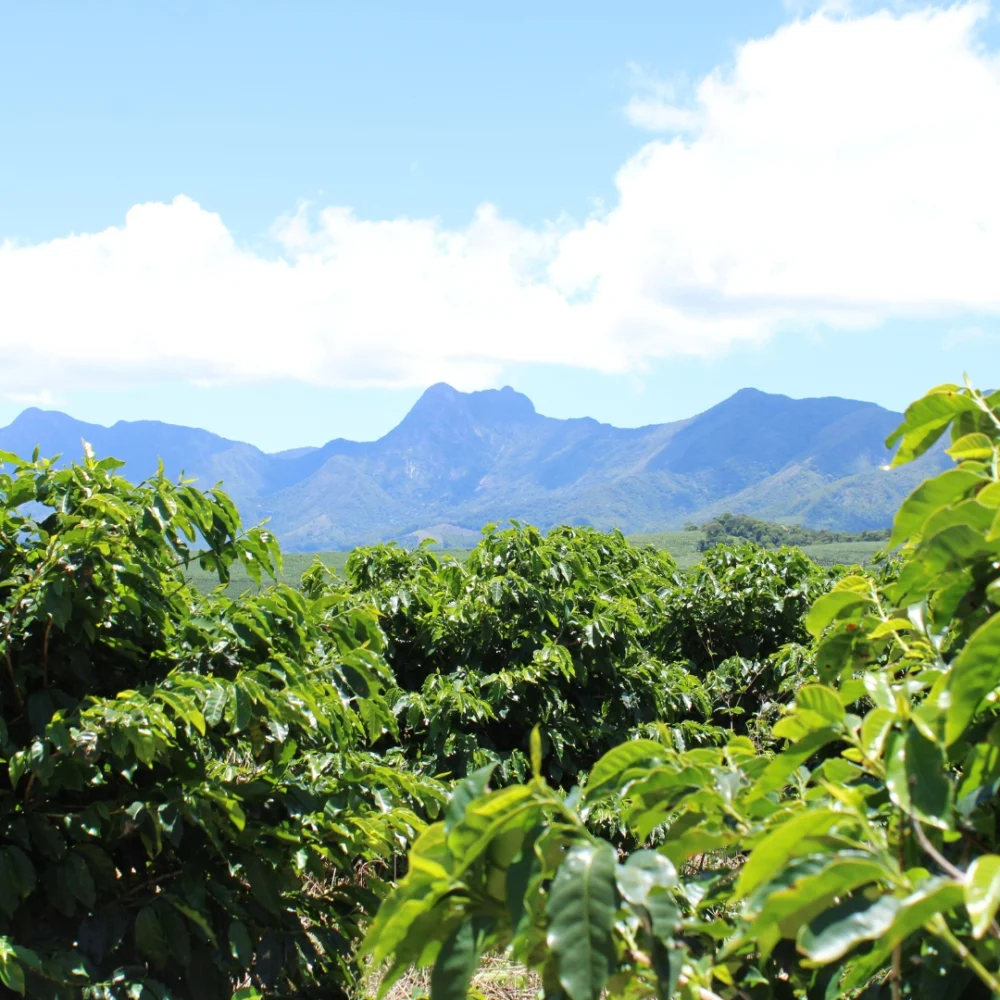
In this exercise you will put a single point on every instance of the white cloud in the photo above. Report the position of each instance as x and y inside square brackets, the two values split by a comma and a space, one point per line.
[842, 171]
[964, 334]
[41, 398]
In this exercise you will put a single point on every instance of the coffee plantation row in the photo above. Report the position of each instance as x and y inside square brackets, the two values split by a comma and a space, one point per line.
[753, 779]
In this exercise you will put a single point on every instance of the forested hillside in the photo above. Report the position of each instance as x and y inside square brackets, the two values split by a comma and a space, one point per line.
[756, 778]
[460, 460]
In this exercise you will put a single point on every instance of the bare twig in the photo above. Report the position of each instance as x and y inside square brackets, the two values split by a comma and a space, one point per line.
[10, 667]
[939, 859]
[45, 653]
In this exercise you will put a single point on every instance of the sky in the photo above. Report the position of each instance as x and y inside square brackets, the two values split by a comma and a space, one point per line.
[283, 222]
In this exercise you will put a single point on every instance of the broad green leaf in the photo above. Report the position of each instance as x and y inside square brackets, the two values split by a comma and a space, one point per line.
[778, 770]
[81, 882]
[936, 895]
[642, 872]
[810, 887]
[617, 762]
[839, 929]
[525, 869]
[457, 960]
[971, 446]
[791, 837]
[215, 705]
[581, 907]
[917, 779]
[892, 626]
[149, 936]
[966, 512]
[874, 730]
[820, 700]
[974, 674]
[982, 892]
[989, 496]
[11, 973]
[466, 791]
[928, 498]
[926, 420]
[536, 753]
[240, 945]
[879, 689]
[831, 606]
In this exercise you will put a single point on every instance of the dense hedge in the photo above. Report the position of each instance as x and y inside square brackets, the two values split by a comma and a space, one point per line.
[852, 851]
[187, 805]
[208, 798]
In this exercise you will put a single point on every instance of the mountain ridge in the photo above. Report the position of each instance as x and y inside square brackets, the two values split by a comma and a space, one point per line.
[463, 459]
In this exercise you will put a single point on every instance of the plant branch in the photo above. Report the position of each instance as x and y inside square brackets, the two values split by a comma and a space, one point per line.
[939, 859]
[939, 928]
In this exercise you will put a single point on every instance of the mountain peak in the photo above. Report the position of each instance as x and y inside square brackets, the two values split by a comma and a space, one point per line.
[467, 458]
[492, 407]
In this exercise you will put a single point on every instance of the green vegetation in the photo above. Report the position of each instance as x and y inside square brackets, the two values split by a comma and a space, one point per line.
[728, 527]
[754, 778]
[187, 801]
[685, 547]
[849, 848]
[293, 565]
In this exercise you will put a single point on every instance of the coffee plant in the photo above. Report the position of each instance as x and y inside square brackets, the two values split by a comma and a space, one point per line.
[850, 851]
[581, 633]
[188, 803]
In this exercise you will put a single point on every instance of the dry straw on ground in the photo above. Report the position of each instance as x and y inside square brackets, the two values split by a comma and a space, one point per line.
[497, 979]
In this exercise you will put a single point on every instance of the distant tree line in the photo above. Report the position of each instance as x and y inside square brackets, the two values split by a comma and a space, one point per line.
[727, 527]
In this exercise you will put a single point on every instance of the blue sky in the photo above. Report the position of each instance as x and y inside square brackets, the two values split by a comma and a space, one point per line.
[631, 268]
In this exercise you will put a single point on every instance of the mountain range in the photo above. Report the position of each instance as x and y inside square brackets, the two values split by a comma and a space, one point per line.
[459, 460]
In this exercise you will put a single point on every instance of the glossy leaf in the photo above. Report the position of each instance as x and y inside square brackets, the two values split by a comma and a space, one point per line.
[581, 908]
[982, 892]
[973, 675]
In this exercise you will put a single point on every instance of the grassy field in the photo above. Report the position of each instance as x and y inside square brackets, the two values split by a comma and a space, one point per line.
[845, 553]
[682, 545]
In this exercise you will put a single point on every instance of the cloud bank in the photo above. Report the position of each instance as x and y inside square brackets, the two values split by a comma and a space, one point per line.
[839, 173]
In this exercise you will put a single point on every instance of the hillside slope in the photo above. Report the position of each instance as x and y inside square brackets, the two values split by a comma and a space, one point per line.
[458, 460]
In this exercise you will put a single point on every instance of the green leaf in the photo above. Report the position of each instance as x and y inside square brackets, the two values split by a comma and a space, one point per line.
[791, 837]
[989, 496]
[240, 945]
[891, 627]
[926, 420]
[466, 791]
[536, 753]
[831, 606]
[457, 960]
[215, 705]
[971, 446]
[916, 777]
[581, 908]
[820, 700]
[874, 730]
[837, 930]
[879, 689]
[149, 936]
[974, 674]
[934, 896]
[81, 882]
[928, 498]
[619, 761]
[809, 886]
[642, 872]
[11, 973]
[982, 892]
[776, 773]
